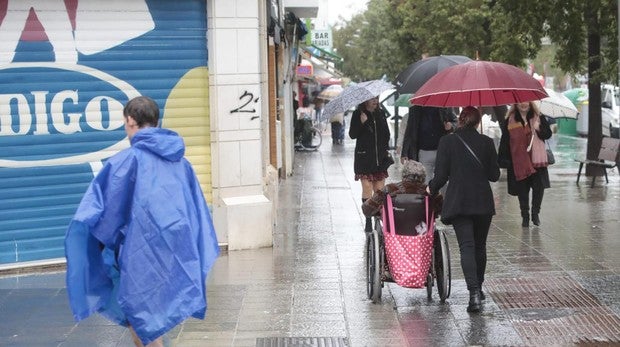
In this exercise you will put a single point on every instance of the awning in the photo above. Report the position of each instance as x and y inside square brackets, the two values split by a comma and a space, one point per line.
[324, 54]
[325, 63]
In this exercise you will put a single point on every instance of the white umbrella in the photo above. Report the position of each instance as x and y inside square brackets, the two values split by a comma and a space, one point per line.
[557, 105]
[330, 92]
[354, 95]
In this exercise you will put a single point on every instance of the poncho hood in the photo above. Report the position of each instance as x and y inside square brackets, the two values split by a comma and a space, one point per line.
[162, 142]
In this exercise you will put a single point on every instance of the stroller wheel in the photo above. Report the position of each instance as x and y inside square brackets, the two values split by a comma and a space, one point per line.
[374, 265]
[429, 286]
[441, 257]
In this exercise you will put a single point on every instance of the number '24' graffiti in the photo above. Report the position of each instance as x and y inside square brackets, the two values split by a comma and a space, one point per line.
[247, 98]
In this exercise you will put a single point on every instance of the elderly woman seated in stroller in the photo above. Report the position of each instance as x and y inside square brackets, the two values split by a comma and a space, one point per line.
[413, 177]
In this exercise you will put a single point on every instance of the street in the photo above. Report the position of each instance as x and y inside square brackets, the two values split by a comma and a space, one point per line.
[556, 284]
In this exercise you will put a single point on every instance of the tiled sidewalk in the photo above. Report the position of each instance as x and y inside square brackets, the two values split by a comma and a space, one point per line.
[553, 284]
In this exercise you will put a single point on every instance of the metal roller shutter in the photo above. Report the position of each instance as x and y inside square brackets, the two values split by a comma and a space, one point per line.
[67, 67]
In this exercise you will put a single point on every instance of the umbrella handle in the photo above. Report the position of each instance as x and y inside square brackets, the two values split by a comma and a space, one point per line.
[529, 147]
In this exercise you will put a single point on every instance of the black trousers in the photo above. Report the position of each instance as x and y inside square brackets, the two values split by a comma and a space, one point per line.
[538, 190]
[471, 234]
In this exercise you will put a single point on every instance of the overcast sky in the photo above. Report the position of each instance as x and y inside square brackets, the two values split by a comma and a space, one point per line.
[344, 8]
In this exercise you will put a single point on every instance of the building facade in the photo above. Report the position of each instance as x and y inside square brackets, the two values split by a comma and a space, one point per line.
[218, 69]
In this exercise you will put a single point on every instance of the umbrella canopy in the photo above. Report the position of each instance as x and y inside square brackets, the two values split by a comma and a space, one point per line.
[416, 74]
[557, 105]
[330, 92]
[479, 83]
[577, 95]
[354, 95]
[403, 100]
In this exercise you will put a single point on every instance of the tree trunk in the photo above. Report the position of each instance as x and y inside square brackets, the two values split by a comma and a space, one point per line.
[595, 131]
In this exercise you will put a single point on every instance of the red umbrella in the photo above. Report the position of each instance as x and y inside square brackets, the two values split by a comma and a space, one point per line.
[479, 83]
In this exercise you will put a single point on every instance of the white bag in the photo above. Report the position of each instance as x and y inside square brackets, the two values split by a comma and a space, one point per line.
[338, 117]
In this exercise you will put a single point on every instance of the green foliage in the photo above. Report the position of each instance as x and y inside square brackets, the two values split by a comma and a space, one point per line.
[395, 33]
[366, 43]
[392, 34]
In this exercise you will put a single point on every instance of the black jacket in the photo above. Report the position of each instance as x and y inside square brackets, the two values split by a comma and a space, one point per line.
[411, 138]
[469, 192]
[372, 140]
[505, 160]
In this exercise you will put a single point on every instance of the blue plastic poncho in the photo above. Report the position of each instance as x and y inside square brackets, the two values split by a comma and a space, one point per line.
[142, 241]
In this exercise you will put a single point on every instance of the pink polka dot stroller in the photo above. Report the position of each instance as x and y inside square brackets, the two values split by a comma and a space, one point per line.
[406, 248]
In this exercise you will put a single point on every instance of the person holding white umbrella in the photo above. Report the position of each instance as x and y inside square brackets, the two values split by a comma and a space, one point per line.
[522, 152]
[370, 130]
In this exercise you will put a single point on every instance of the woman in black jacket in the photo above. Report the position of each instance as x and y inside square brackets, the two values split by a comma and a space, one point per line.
[370, 129]
[525, 128]
[468, 161]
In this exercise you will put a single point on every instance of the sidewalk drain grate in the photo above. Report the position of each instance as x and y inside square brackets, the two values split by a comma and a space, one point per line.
[592, 326]
[548, 292]
[301, 342]
[579, 319]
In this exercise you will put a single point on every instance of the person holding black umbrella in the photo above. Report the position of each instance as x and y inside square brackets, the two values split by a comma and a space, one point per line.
[425, 126]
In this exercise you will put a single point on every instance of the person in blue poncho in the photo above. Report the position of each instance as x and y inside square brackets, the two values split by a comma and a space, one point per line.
[142, 241]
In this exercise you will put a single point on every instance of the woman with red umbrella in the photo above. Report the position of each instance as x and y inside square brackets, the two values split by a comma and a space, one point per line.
[522, 153]
[467, 162]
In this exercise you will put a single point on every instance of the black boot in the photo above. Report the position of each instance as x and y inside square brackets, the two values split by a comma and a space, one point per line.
[524, 206]
[537, 196]
[525, 220]
[368, 227]
[535, 219]
[482, 296]
[474, 301]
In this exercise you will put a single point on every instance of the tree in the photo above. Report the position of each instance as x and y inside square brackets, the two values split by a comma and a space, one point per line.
[586, 33]
[367, 44]
[442, 26]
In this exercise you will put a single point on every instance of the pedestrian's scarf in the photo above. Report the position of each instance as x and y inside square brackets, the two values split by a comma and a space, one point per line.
[520, 137]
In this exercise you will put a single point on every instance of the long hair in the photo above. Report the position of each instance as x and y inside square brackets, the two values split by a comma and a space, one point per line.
[530, 113]
[469, 117]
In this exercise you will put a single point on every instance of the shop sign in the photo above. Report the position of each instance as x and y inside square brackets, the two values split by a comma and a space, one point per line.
[322, 39]
[304, 70]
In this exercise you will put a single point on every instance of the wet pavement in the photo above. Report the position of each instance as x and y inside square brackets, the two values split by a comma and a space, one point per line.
[556, 284]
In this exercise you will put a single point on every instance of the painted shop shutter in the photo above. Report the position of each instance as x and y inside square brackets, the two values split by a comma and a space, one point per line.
[66, 70]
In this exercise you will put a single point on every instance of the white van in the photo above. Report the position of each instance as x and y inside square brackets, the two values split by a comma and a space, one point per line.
[610, 113]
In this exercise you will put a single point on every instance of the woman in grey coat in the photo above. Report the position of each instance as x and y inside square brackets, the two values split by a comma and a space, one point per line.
[467, 161]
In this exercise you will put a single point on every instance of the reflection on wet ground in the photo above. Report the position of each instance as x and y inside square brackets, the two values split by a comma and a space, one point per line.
[553, 284]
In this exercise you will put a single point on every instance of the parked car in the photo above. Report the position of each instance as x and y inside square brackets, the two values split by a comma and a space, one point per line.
[610, 113]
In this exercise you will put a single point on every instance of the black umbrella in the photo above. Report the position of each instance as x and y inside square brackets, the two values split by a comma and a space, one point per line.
[416, 74]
